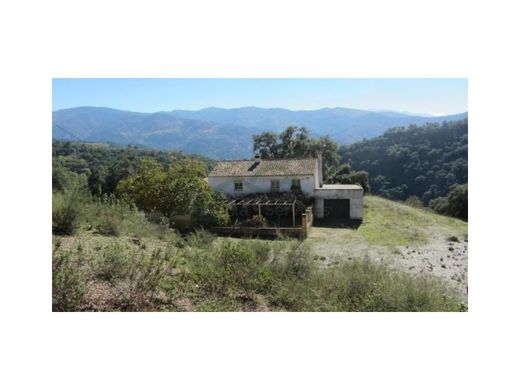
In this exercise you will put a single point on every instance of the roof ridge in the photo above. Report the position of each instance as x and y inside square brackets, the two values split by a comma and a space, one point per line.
[271, 159]
[266, 167]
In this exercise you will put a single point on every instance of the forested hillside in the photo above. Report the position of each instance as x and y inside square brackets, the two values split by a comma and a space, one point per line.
[103, 166]
[424, 161]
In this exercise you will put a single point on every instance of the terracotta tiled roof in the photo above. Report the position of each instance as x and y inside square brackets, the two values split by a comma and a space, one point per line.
[281, 167]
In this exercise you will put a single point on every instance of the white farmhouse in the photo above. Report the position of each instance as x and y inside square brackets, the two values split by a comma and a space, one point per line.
[236, 177]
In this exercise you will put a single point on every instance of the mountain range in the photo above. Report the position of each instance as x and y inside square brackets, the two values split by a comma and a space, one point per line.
[224, 133]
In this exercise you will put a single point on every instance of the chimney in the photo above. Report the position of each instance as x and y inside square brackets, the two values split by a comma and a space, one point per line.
[257, 158]
[320, 170]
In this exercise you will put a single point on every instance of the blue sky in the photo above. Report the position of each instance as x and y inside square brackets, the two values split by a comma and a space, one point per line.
[432, 96]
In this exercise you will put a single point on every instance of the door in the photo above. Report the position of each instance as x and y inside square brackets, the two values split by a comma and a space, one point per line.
[336, 209]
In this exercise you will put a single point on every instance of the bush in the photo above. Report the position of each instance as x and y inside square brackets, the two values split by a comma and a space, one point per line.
[200, 238]
[134, 276]
[297, 262]
[113, 217]
[144, 278]
[68, 284]
[261, 249]
[107, 224]
[414, 201]
[257, 221]
[66, 212]
[364, 285]
[232, 270]
[113, 263]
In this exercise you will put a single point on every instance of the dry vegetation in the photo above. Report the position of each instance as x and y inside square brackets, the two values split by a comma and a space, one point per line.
[116, 260]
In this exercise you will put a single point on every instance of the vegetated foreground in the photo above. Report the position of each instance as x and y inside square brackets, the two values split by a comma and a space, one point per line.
[119, 261]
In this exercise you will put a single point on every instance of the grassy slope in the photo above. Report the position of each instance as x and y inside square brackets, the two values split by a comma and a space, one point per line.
[413, 239]
[389, 223]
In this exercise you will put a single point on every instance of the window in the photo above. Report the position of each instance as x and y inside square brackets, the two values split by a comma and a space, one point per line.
[239, 186]
[296, 185]
[275, 185]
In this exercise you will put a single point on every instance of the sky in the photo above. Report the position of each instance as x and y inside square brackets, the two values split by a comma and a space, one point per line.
[433, 96]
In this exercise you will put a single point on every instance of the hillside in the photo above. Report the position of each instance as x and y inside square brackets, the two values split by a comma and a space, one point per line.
[222, 133]
[399, 259]
[414, 240]
[424, 161]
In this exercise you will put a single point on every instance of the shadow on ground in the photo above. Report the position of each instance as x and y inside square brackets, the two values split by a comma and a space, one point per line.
[337, 223]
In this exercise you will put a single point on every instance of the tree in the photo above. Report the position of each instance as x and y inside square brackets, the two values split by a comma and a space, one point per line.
[345, 175]
[177, 190]
[146, 188]
[295, 142]
[455, 204]
[266, 144]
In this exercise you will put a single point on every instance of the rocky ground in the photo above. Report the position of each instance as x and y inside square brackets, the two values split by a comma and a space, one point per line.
[435, 246]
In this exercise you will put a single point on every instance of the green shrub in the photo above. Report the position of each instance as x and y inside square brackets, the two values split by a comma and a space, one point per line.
[144, 279]
[231, 269]
[113, 217]
[364, 285]
[66, 212]
[134, 276]
[200, 238]
[257, 221]
[108, 224]
[68, 284]
[414, 201]
[261, 249]
[297, 262]
[113, 263]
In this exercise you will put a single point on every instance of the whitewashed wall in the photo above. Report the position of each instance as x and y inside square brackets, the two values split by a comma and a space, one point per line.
[259, 184]
[355, 196]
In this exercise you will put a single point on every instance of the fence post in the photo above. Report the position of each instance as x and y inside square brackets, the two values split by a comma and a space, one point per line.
[304, 225]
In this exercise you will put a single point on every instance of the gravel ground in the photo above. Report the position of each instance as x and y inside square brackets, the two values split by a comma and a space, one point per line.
[440, 257]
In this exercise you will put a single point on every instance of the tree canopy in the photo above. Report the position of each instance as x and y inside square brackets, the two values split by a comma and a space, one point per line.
[105, 165]
[177, 190]
[296, 142]
[424, 161]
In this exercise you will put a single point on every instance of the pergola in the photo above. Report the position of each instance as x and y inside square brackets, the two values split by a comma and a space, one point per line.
[261, 202]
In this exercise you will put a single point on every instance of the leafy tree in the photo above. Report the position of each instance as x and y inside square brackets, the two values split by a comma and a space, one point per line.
[266, 144]
[345, 175]
[295, 142]
[455, 204]
[63, 178]
[177, 190]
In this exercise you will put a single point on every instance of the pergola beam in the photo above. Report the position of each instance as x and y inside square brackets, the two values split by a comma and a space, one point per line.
[260, 202]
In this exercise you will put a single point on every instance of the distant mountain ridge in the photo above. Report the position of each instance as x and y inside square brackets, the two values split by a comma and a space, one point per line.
[224, 133]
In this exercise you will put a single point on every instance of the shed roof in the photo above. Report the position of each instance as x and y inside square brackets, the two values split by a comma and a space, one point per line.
[279, 167]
